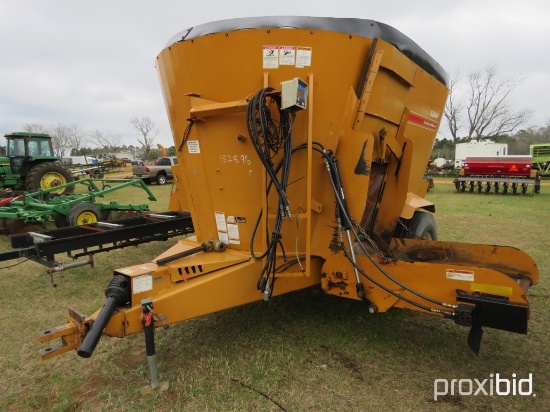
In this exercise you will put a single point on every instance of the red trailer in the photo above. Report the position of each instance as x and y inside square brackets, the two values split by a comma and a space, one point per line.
[506, 173]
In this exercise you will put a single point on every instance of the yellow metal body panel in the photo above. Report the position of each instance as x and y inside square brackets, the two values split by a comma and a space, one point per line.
[226, 176]
[234, 285]
[428, 278]
[434, 268]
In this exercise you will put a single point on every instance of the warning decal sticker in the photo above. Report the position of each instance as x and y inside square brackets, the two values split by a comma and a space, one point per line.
[457, 274]
[221, 227]
[287, 55]
[233, 232]
[303, 56]
[270, 57]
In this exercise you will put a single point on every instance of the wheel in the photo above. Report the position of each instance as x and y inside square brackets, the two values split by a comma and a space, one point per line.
[17, 227]
[60, 220]
[147, 181]
[47, 175]
[105, 187]
[421, 226]
[83, 214]
[105, 215]
[161, 179]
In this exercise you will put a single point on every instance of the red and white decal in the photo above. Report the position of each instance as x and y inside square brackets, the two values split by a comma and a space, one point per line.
[422, 121]
[458, 274]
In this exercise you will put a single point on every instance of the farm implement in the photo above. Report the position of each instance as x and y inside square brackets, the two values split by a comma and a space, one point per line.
[88, 239]
[21, 212]
[301, 171]
[501, 174]
[541, 158]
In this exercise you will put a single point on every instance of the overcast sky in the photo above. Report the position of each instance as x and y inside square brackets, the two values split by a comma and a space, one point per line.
[93, 62]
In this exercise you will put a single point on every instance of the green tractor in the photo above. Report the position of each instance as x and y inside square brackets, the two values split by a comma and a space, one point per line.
[30, 164]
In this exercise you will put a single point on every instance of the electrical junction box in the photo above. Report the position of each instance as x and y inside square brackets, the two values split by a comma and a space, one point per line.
[294, 94]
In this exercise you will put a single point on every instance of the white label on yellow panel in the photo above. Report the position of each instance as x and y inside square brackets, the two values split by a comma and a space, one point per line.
[143, 283]
[303, 56]
[270, 57]
[222, 227]
[233, 232]
[287, 54]
[457, 274]
[193, 146]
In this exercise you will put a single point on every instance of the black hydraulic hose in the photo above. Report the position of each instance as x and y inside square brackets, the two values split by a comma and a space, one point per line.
[117, 293]
[268, 139]
[341, 206]
[386, 274]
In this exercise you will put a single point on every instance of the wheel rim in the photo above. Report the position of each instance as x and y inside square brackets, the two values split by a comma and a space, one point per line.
[52, 179]
[85, 218]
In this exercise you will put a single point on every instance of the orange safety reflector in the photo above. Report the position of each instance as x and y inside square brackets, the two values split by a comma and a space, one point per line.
[513, 169]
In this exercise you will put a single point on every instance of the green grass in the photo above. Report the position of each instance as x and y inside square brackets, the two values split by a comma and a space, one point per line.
[306, 351]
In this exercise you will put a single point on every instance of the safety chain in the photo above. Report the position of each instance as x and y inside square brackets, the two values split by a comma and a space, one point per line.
[407, 230]
[368, 239]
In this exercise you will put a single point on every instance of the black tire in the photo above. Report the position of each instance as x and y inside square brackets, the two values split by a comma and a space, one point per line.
[421, 226]
[18, 227]
[105, 215]
[161, 179]
[83, 214]
[47, 175]
[147, 181]
[60, 220]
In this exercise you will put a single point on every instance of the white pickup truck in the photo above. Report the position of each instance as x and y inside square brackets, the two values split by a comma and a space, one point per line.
[159, 173]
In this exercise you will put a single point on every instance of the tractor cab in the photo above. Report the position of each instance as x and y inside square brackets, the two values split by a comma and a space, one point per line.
[24, 149]
[30, 164]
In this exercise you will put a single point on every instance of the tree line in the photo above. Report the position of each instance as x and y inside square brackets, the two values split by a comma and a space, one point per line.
[480, 108]
[73, 140]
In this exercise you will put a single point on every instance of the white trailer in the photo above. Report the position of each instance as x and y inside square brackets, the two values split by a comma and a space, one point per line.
[79, 160]
[478, 148]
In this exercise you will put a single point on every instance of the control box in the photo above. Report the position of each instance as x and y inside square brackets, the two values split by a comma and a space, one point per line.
[294, 94]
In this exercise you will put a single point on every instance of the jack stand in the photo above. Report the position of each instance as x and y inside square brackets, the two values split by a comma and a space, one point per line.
[148, 322]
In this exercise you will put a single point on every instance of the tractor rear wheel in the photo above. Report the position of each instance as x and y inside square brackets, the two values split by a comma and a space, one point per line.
[47, 175]
[83, 214]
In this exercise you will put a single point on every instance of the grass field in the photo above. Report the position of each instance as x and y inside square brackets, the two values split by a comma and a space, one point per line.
[300, 352]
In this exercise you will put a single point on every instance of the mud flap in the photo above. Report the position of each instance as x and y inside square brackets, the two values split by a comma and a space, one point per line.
[494, 312]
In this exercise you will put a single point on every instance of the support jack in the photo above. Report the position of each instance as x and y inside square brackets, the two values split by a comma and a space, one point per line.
[148, 321]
